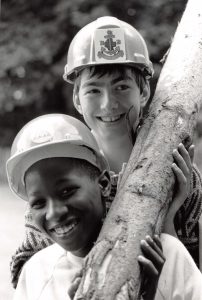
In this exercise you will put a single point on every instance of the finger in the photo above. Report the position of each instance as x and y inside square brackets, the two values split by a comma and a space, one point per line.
[181, 178]
[77, 274]
[181, 163]
[157, 240]
[185, 154]
[191, 153]
[155, 246]
[183, 184]
[152, 255]
[73, 288]
[148, 267]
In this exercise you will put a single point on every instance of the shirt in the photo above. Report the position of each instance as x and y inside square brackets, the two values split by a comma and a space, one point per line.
[187, 225]
[48, 274]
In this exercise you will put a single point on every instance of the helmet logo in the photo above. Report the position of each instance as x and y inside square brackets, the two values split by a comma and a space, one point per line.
[41, 136]
[73, 137]
[109, 44]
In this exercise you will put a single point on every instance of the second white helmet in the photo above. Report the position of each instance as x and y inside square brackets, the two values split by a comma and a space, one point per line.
[53, 135]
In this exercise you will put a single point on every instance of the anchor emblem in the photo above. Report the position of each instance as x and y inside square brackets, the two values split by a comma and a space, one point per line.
[110, 48]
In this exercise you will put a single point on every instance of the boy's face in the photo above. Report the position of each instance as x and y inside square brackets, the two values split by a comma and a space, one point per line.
[105, 100]
[65, 203]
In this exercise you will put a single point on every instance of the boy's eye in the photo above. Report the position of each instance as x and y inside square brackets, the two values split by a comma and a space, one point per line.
[92, 91]
[67, 192]
[37, 203]
[122, 87]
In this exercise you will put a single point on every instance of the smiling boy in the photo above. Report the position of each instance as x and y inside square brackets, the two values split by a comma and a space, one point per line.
[111, 73]
[57, 167]
[69, 225]
[104, 96]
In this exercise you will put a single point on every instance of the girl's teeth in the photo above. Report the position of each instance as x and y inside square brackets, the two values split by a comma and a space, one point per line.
[65, 229]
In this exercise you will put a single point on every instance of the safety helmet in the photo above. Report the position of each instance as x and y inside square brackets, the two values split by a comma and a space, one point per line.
[107, 40]
[47, 136]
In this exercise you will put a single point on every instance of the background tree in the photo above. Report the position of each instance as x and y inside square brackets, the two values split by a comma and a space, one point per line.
[34, 42]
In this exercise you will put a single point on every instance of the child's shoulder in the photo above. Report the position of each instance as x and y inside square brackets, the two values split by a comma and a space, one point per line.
[46, 257]
[172, 246]
[178, 259]
[169, 241]
[180, 276]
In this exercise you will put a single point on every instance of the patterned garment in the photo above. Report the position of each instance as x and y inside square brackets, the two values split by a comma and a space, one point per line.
[187, 217]
[33, 241]
[186, 225]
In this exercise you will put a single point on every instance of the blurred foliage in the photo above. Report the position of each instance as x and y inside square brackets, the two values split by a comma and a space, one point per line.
[34, 40]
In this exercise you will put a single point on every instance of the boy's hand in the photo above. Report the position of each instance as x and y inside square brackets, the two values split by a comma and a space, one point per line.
[182, 168]
[132, 122]
[75, 284]
[152, 262]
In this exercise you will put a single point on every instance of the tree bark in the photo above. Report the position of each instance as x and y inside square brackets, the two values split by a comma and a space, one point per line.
[111, 269]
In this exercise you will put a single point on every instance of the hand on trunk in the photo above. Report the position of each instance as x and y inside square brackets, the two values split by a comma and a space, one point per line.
[151, 262]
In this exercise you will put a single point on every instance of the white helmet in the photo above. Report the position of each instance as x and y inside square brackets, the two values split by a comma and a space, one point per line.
[53, 135]
[107, 40]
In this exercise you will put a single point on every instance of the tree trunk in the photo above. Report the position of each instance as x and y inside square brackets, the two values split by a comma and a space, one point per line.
[111, 269]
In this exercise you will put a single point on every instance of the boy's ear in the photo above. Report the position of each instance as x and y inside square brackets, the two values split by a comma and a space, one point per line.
[145, 94]
[105, 183]
[76, 101]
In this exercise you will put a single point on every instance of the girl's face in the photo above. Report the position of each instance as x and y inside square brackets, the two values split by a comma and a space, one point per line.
[105, 100]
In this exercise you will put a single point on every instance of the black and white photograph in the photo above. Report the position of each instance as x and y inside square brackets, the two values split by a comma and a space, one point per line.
[101, 150]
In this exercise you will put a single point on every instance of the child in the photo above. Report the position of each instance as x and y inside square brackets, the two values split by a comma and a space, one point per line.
[111, 74]
[57, 167]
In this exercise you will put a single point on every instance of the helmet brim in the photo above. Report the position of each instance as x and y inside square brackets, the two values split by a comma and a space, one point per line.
[146, 71]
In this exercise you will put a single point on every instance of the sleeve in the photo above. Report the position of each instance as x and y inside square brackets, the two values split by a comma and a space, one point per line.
[187, 218]
[180, 278]
[33, 277]
[33, 241]
[21, 290]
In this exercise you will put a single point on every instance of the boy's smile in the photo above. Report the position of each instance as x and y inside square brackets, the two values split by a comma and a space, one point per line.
[105, 100]
[110, 119]
[65, 203]
[65, 228]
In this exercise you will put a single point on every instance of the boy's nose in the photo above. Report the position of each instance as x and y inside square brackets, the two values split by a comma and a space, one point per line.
[109, 101]
[56, 209]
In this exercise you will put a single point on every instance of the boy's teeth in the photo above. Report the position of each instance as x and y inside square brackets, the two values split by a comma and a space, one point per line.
[65, 229]
[110, 119]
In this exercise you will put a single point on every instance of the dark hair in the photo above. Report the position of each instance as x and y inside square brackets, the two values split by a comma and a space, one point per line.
[108, 69]
[83, 166]
[86, 168]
